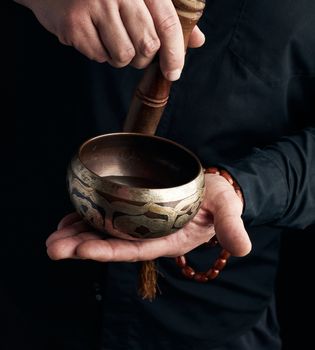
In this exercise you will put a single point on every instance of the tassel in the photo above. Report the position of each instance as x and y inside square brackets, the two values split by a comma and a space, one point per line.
[148, 280]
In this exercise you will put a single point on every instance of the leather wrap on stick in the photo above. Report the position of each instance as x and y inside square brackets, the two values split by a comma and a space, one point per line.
[147, 107]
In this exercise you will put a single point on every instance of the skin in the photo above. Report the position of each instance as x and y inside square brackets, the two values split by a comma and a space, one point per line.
[120, 32]
[220, 213]
[123, 32]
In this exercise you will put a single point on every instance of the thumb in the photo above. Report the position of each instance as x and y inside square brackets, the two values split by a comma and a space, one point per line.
[229, 227]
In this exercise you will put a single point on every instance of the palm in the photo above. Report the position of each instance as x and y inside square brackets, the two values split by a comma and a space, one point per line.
[220, 213]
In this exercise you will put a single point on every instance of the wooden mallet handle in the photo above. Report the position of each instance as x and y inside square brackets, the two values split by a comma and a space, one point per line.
[152, 93]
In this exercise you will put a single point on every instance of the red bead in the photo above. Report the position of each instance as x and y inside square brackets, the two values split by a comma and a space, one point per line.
[201, 277]
[188, 272]
[212, 170]
[212, 273]
[227, 176]
[181, 261]
[219, 264]
[236, 186]
[224, 254]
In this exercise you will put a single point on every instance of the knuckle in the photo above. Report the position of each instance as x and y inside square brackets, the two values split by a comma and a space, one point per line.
[169, 25]
[100, 58]
[69, 22]
[116, 64]
[67, 28]
[173, 60]
[172, 57]
[66, 37]
[123, 57]
[150, 47]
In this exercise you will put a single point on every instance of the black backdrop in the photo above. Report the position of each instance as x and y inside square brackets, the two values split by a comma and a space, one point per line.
[41, 299]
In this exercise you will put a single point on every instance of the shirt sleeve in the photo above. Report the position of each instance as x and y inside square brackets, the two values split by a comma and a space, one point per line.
[278, 182]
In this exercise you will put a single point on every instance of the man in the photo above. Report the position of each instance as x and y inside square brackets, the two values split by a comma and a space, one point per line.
[244, 103]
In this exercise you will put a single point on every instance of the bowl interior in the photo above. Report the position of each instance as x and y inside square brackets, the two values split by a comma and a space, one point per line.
[138, 160]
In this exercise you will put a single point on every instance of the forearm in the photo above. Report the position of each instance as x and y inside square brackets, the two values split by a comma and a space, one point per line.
[278, 182]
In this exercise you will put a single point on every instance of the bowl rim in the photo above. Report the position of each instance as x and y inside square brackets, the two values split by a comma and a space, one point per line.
[177, 192]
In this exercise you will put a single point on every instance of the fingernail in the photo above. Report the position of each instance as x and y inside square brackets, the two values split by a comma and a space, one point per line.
[173, 75]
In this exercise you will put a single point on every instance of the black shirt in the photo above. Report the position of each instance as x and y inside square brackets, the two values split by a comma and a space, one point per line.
[245, 101]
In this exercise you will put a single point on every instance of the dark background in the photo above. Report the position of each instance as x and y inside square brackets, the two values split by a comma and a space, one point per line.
[36, 148]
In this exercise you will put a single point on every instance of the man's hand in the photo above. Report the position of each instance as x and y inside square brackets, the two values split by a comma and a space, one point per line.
[120, 32]
[219, 214]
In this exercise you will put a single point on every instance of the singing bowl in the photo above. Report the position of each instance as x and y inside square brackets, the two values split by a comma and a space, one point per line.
[133, 185]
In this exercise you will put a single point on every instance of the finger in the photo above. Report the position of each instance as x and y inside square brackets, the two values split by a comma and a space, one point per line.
[169, 30]
[69, 220]
[114, 35]
[229, 226]
[65, 248]
[140, 27]
[196, 232]
[123, 250]
[197, 38]
[74, 229]
[82, 35]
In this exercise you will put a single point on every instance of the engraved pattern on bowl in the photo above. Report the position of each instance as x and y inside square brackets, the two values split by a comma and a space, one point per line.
[134, 212]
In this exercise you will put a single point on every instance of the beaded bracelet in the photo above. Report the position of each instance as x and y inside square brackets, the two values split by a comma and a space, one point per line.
[221, 261]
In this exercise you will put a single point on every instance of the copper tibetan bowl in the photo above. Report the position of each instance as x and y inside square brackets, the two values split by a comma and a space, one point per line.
[133, 185]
